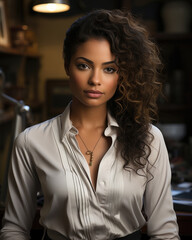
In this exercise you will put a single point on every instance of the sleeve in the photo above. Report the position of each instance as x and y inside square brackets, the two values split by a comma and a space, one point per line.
[23, 185]
[158, 203]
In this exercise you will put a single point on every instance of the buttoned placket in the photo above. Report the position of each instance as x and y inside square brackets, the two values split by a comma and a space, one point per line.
[104, 167]
[102, 186]
[96, 234]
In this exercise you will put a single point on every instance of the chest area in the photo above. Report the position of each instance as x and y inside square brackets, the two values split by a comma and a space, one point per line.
[66, 176]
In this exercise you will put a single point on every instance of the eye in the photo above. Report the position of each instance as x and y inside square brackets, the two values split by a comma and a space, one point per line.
[110, 70]
[82, 66]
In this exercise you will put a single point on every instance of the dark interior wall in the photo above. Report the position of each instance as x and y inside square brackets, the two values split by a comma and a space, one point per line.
[84, 6]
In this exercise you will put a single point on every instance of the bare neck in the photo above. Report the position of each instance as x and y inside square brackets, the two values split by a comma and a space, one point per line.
[88, 117]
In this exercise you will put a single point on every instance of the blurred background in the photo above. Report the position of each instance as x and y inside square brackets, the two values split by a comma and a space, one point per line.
[31, 70]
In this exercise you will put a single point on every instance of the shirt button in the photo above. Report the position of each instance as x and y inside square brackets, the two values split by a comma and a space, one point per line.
[102, 183]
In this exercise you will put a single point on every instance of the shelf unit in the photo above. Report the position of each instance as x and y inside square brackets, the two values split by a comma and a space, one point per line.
[175, 111]
[176, 52]
[21, 70]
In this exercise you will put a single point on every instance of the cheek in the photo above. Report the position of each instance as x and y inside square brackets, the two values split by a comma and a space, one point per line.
[112, 85]
[76, 79]
[77, 83]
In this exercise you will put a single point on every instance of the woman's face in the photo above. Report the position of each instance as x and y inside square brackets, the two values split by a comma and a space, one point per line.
[93, 73]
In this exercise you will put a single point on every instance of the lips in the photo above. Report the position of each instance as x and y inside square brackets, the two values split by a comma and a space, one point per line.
[93, 93]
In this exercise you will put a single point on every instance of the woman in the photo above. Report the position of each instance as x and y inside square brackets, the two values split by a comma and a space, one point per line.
[102, 166]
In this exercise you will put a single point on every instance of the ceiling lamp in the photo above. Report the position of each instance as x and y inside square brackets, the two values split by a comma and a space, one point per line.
[50, 6]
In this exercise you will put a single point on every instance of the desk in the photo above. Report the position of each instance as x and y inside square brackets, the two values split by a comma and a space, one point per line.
[184, 220]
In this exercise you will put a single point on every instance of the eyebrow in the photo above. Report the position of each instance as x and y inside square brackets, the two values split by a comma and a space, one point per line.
[91, 62]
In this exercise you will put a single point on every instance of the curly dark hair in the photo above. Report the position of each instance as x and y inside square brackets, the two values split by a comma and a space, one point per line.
[137, 57]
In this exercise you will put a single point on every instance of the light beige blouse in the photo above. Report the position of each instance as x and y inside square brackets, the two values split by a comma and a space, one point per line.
[47, 156]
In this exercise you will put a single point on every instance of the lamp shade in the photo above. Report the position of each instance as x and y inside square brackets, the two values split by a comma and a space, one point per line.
[50, 6]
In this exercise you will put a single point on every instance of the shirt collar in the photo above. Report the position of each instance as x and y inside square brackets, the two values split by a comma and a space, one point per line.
[111, 120]
[67, 126]
[66, 123]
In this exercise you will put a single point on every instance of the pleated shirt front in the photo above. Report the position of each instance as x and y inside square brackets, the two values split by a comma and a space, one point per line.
[47, 157]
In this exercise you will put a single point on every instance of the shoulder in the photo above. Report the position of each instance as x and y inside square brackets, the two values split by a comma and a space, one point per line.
[157, 145]
[155, 131]
[38, 132]
[157, 136]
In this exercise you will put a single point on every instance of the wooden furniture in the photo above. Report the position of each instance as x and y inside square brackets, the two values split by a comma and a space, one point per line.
[185, 223]
[21, 70]
[176, 52]
[19, 80]
[175, 110]
[58, 95]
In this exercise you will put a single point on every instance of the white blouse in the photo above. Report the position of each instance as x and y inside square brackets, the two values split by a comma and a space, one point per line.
[46, 156]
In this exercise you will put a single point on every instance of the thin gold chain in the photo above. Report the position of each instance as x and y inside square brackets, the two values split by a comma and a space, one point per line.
[89, 152]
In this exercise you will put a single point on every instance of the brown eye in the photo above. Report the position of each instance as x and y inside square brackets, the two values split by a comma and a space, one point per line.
[110, 70]
[82, 66]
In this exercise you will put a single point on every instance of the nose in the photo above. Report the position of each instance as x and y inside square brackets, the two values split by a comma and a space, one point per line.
[95, 78]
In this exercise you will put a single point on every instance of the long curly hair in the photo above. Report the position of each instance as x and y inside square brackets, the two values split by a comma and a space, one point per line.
[137, 57]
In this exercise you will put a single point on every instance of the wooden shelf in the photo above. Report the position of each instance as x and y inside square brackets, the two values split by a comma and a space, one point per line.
[7, 116]
[21, 69]
[19, 52]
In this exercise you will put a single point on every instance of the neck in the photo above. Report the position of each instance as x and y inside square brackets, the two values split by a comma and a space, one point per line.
[88, 117]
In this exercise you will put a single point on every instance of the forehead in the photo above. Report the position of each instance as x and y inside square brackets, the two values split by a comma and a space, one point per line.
[94, 49]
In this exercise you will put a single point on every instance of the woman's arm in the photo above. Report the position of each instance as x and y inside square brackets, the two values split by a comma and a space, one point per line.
[158, 202]
[23, 185]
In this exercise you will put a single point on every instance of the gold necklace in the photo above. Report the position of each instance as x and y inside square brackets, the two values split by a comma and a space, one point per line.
[89, 152]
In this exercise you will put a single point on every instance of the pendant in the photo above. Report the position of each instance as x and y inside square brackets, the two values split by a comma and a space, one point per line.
[91, 157]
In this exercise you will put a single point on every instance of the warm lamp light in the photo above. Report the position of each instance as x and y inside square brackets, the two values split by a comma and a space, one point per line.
[50, 6]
